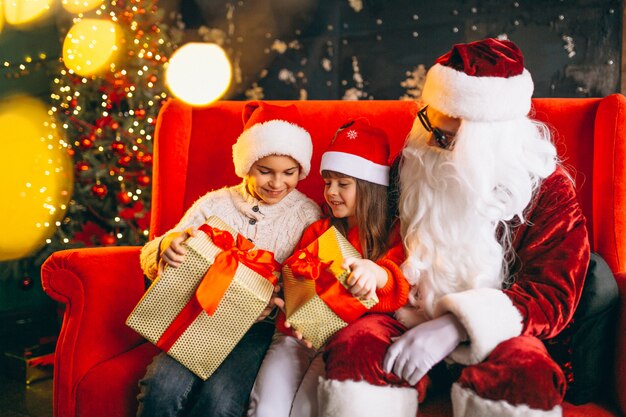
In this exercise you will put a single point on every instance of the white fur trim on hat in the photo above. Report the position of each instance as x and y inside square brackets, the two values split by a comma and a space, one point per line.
[361, 399]
[355, 166]
[481, 99]
[274, 137]
[466, 403]
[489, 318]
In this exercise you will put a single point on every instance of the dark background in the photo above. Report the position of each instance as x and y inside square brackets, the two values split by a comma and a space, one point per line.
[572, 48]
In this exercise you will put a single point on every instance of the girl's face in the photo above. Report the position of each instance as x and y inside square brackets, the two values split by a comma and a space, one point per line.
[340, 195]
[273, 177]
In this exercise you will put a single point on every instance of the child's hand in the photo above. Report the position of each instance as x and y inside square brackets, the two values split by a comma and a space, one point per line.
[365, 277]
[174, 252]
[280, 303]
[274, 301]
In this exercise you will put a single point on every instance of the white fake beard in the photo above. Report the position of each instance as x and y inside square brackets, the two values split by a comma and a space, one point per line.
[452, 203]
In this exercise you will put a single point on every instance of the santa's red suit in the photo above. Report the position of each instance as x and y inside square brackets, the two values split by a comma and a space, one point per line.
[503, 368]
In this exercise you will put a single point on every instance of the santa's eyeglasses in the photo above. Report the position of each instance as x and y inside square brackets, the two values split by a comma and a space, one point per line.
[440, 137]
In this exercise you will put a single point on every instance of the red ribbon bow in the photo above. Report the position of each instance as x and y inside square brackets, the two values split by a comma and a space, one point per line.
[306, 264]
[219, 276]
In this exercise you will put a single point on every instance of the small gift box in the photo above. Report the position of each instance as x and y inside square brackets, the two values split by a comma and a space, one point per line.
[317, 300]
[200, 310]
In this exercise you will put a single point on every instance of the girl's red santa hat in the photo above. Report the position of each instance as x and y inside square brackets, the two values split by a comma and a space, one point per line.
[271, 130]
[483, 81]
[359, 150]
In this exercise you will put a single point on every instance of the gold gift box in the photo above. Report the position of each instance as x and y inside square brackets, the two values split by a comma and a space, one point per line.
[208, 339]
[305, 310]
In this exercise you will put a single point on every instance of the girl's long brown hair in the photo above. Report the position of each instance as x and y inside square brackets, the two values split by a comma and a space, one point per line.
[371, 214]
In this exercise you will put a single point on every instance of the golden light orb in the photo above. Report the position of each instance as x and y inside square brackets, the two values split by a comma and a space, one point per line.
[20, 12]
[199, 73]
[90, 46]
[37, 177]
[80, 6]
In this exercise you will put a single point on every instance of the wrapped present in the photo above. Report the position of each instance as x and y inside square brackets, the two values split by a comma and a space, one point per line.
[200, 310]
[317, 300]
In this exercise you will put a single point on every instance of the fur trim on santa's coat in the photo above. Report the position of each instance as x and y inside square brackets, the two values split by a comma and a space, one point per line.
[466, 403]
[361, 399]
[489, 317]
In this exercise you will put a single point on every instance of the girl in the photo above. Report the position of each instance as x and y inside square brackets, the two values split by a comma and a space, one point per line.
[271, 155]
[356, 175]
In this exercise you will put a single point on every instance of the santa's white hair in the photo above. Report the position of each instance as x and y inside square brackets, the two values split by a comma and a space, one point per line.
[456, 206]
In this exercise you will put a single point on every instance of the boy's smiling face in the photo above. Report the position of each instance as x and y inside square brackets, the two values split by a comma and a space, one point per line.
[273, 177]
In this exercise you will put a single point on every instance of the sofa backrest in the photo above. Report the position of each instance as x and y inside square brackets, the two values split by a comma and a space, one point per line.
[193, 154]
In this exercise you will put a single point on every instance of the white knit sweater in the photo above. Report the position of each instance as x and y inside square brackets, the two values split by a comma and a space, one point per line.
[274, 227]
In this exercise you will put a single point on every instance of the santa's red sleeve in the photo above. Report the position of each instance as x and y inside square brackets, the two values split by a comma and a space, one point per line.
[552, 254]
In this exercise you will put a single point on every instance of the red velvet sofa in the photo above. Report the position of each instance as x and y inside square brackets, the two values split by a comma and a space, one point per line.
[99, 360]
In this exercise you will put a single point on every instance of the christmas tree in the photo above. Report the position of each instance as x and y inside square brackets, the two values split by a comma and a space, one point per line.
[108, 122]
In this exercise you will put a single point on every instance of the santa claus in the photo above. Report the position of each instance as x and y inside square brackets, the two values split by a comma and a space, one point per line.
[497, 251]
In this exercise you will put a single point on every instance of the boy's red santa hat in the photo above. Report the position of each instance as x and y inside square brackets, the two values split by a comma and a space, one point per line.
[359, 150]
[483, 81]
[271, 130]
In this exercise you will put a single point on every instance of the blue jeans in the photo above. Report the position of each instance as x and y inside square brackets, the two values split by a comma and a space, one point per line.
[170, 390]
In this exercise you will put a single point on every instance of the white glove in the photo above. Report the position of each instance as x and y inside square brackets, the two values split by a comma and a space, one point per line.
[413, 354]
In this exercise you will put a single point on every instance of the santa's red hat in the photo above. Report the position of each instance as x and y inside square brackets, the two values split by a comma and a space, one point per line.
[481, 81]
[359, 150]
[271, 130]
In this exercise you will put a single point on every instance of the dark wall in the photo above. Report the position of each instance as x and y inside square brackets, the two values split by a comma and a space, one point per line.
[333, 51]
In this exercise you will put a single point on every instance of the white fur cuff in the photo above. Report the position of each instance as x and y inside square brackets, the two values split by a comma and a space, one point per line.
[466, 403]
[360, 399]
[489, 317]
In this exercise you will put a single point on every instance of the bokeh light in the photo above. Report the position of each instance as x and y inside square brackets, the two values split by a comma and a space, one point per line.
[80, 6]
[90, 46]
[37, 177]
[199, 73]
[20, 12]
[1, 15]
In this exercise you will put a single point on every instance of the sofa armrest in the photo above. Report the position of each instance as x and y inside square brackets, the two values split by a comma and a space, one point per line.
[100, 287]
[620, 344]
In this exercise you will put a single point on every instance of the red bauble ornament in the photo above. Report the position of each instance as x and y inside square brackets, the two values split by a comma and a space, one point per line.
[26, 282]
[86, 143]
[82, 166]
[124, 161]
[103, 121]
[123, 197]
[99, 190]
[143, 180]
[73, 102]
[145, 158]
[108, 240]
[118, 147]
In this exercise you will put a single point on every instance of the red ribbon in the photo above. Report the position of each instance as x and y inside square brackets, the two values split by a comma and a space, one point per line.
[217, 279]
[307, 264]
